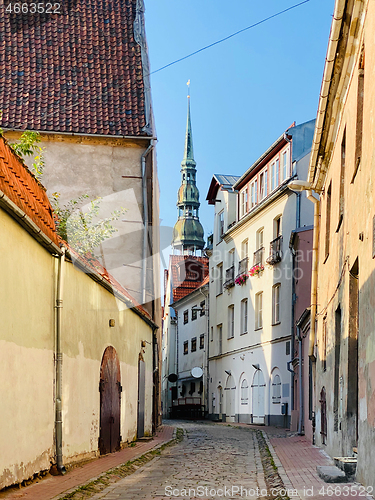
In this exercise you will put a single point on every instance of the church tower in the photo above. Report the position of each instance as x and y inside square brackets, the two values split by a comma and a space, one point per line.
[188, 231]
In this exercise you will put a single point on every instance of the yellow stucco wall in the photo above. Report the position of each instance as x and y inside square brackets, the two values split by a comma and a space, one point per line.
[27, 343]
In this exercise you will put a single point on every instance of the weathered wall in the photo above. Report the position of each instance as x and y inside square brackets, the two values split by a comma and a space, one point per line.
[26, 354]
[354, 239]
[27, 372]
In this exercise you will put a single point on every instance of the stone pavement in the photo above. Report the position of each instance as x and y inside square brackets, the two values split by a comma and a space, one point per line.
[299, 459]
[53, 486]
[210, 459]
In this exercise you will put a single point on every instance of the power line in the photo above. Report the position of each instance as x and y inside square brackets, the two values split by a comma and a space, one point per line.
[104, 92]
[228, 37]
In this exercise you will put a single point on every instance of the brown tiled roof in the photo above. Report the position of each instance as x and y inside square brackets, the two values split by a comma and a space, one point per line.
[25, 191]
[79, 71]
[181, 288]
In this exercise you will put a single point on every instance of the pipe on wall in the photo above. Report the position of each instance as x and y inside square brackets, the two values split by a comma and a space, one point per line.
[314, 271]
[58, 409]
[301, 396]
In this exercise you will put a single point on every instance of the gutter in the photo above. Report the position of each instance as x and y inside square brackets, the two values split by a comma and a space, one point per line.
[326, 83]
[77, 134]
[59, 358]
[20, 216]
[145, 222]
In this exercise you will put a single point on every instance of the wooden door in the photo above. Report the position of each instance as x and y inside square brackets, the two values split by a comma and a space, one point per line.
[258, 389]
[110, 402]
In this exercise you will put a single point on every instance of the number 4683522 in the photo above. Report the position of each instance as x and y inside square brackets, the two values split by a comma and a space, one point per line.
[33, 8]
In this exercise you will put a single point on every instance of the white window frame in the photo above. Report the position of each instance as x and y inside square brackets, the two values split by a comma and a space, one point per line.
[276, 389]
[243, 202]
[285, 164]
[260, 238]
[245, 249]
[231, 321]
[276, 304]
[254, 193]
[220, 218]
[244, 316]
[219, 330]
[259, 310]
[220, 279]
[263, 184]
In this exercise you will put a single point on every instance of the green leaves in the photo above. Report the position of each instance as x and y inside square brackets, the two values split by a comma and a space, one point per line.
[83, 230]
[28, 146]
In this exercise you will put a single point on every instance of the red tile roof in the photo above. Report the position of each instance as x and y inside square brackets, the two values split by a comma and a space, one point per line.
[79, 71]
[25, 191]
[186, 282]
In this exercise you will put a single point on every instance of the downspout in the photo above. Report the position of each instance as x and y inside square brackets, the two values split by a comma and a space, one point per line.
[301, 405]
[145, 222]
[292, 324]
[314, 271]
[207, 352]
[58, 412]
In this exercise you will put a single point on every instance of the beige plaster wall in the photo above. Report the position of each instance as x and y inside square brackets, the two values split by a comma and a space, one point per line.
[26, 354]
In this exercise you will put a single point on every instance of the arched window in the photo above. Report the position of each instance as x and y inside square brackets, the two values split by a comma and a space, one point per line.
[276, 389]
[244, 392]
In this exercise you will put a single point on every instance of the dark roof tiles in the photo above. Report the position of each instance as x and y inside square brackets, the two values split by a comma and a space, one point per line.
[79, 71]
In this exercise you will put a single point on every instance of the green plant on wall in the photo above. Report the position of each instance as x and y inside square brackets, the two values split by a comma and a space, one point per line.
[84, 231]
[28, 145]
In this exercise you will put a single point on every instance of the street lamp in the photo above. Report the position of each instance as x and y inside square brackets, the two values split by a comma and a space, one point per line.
[299, 186]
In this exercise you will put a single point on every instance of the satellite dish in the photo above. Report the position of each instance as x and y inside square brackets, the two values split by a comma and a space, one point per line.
[197, 372]
[172, 377]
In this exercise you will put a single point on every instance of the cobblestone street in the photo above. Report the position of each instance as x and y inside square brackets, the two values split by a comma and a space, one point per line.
[208, 460]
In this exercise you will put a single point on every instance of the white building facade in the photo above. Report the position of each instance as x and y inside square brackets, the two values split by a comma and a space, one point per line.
[251, 291]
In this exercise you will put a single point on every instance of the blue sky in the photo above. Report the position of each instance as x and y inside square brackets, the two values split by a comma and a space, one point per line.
[244, 92]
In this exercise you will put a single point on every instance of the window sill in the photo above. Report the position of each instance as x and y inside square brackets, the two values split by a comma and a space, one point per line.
[326, 258]
[230, 338]
[259, 328]
[218, 294]
[276, 323]
[243, 333]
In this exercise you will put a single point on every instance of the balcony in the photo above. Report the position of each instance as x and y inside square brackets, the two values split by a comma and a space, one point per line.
[258, 257]
[275, 251]
[229, 277]
[243, 266]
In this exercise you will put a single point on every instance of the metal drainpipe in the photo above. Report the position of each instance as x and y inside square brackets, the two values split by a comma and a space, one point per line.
[207, 351]
[314, 272]
[58, 412]
[301, 405]
[292, 326]
[145, 222]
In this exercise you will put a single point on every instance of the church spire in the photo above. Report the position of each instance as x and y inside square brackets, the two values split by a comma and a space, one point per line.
[188, 231]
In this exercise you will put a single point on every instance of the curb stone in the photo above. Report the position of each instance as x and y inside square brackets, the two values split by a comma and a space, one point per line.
[136, 457]
[284, 477]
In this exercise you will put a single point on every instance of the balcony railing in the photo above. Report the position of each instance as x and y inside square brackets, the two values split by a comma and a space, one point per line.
[275, 251]
[258, 257]
[229, 277]
[243, 266]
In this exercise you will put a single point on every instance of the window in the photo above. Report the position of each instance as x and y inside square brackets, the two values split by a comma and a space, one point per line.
[231, 321]
[220, 337]
[276, 304]
[221, 224]
[243, 202]
[277, 227]
[287, 348]
[244, 249]
[324, 346]
[276, 389]
[259, 310]
[275, 174]
[285, 165]
[243, 316]
[186, 316]
[260, 239]
[202, 306]
[192, 388]
[186, 347]
[212, 333]
[244, 392]
[342, 181]
[201, 341]
[194, 313]
[258, 254]
[193, 344]
[359, 124]
[220, 279]
[263, 185]
[254, 193]
[328, 219]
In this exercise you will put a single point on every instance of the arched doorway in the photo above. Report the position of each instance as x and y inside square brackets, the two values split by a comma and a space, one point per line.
[110, 402]
[141, 397]
[258, 389]
[230, 398]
